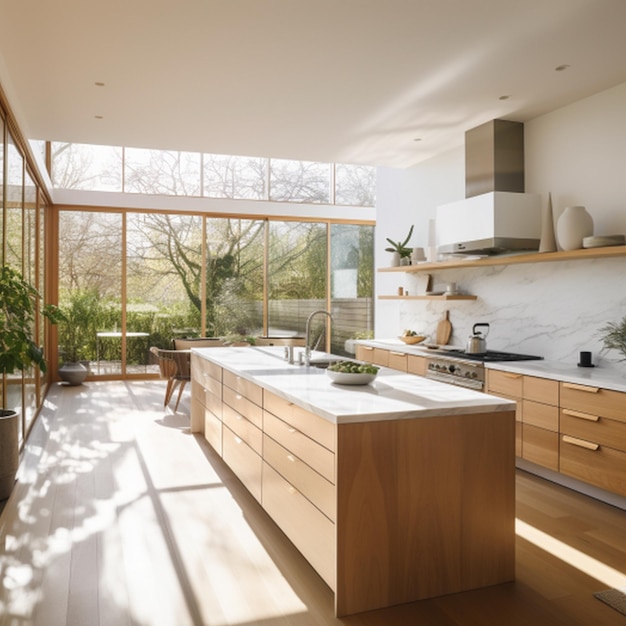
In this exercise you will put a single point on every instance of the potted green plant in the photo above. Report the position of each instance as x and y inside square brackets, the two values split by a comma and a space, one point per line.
[18, 351]
[614, 337]
[400, 250]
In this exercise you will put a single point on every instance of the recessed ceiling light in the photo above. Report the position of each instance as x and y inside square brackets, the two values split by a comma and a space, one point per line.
[99, 117]
[504, 97]
[561, 68]
[99, 84]
[417, 139]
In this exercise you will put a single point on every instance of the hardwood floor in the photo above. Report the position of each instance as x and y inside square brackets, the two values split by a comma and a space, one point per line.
[121, 517]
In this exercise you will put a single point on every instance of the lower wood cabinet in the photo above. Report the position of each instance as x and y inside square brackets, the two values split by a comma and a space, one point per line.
[243, 460]
[593, 436]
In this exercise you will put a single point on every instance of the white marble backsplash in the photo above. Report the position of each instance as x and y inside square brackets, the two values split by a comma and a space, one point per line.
[553, 310]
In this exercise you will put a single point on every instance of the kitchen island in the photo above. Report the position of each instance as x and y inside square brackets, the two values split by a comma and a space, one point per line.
[396, 491]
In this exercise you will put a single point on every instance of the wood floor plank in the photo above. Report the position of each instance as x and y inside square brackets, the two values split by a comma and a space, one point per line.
[123, 516]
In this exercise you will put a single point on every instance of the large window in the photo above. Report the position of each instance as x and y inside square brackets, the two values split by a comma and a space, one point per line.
[172, 173]
[191, 275]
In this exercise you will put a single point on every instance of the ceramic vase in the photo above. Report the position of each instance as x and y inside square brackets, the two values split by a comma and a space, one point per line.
[573, 225]
[395, 259]
[548, 240]
[73, 373]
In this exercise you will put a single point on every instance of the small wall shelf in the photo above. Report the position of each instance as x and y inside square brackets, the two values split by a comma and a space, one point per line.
[425, 297]
[532, 257]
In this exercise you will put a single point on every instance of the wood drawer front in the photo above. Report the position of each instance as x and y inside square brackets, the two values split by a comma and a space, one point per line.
[212, 426]
[314, 455]
[541, 415]
[398, 361]
[208, 382]
[205, 369]
[307, 528]
[243, 406]
[243, 428]
[416, 365]
[602, 430]
[315, 427]
[210, 400]
[541, 390]
[603, 467]
[540, 446]
[505, 383]
[244, 461]
[594, 401]
[380, 357]
[364, 353]
[308, 482]
[246, 388]
[518, 439]
[518, 405]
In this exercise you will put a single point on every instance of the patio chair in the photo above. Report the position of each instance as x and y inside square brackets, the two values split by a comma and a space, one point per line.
[174, 367]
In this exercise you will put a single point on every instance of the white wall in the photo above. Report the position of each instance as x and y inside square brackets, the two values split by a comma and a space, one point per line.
[578, 153]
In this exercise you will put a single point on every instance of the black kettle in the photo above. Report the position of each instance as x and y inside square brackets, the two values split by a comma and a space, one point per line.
[477, 343]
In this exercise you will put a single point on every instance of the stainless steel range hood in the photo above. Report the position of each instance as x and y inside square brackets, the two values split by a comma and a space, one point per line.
[496, 215]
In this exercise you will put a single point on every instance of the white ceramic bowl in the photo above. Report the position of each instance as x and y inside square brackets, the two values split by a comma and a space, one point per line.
[342, 378]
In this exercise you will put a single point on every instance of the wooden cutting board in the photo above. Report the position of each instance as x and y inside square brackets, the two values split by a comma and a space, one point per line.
[444, 330]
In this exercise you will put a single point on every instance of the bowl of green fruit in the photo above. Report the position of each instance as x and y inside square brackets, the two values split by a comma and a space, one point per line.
[352, 373]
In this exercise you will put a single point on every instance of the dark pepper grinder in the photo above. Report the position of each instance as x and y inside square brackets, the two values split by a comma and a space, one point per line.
[585, 360]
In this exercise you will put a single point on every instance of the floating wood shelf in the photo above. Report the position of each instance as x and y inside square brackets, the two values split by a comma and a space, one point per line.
[442, 297]
[515, 259]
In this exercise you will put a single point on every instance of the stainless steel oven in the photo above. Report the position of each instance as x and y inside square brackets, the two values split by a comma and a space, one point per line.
[467, 370]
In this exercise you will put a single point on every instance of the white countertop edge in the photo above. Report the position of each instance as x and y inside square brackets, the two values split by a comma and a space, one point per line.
[393, 395]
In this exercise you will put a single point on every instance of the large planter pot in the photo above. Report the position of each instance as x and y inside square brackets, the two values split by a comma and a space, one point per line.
[73, 373]
[9, 456]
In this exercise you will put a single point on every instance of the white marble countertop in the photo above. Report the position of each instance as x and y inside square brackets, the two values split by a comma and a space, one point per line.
[612, 378]
[392, 395]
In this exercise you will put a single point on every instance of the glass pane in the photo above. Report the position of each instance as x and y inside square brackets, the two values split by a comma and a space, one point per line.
[299, 181]
[1, 185]
[90, 289]
[296, 278]
[235, 177]
[163, 283]
[355, 185]
[30, 273]
[161, 172]
[352, 273]
[88, 167]
[234, 277]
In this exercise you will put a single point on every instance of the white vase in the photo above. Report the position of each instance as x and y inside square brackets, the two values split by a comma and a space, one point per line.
[395, 259]
[573, 225]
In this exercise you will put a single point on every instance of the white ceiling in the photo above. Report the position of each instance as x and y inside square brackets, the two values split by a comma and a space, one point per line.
[354, 81]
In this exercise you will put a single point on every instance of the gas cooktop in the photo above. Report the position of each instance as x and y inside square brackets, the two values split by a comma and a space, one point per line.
[491, 356]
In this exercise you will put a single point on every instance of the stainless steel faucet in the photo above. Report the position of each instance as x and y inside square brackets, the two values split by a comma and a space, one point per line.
[307, 346]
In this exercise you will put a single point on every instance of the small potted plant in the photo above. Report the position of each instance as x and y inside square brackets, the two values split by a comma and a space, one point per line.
[18, 351]
[401, 253]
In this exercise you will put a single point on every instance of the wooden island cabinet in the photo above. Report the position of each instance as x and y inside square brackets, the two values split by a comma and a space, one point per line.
[377, 486]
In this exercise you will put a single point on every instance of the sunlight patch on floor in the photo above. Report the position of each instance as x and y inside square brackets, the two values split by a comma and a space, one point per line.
[573, 557]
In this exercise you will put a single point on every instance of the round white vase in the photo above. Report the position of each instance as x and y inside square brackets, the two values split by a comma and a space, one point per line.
[573, 225]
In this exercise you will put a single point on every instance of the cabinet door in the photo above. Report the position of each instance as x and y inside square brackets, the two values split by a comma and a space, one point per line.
[541, 390]
[593, 463]
[540, 415]
[540, 446]
[504, 383]
[307, 528]
[364, 353]
[416, 365]
[244, 461]
[397, 360]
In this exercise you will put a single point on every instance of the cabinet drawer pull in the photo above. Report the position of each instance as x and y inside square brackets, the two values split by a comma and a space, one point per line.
[238, 440]
[368, 348]
[291, 458]
[581, 443]
[581, 387]
[397, 353]
[510, 375]
[582, 416]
